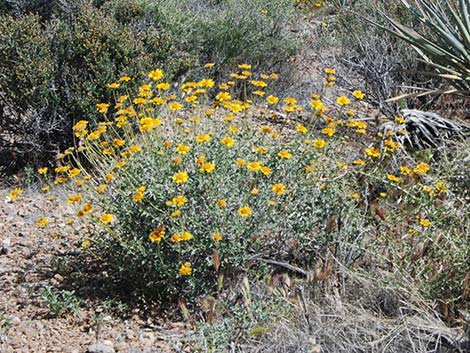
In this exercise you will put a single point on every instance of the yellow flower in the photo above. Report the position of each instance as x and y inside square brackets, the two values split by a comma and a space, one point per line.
[113, 85]
[42, 222]
[254, 191]
[164, 86]
[157, 100]
[180, 177]
[118, 142]
[60, 180]
[279, 189]
[207, 167]
[186, 236]
[203, 138]
[62, 169]
[221, 203]
[175, 106]
[272, 99]
[300, 128]
[421, 169]
[185, 269]
[175, 213]
[124, 78]
[109, 177]
[244, 211]
[100, 189]
[393, 178]
[86, 243]
[217, 237]
[240, 162]
[191, 99]
[233, 129]
[359, 162]
[343, 100]
[290, 100]
[266, 170]
[400, 120]
[425, 222]
[441, 186]
[208, 83]
[405, 170]
[179, 200]
[106, 218]
[74, 198]
[255, 166]
[223, 96]
[209, 65]
[260, 149]
[134, 149]
[87, 208]
[330, 71]
[429, 190]
[308, 169]
[182, 149]
[265, 129]
[138, 196]
[177, 237]
[200, 160]
[102, 107]
[358, 94]
[373, 152]
[284, 154]
[317, 143]
[156, 74]
[227, 141]
[147, 124]
[318, 105]
[42, 171]
[244, 66]
[329, 131]
[157, 235]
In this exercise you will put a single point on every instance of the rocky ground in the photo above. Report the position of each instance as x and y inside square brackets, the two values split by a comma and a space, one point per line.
[29, 260]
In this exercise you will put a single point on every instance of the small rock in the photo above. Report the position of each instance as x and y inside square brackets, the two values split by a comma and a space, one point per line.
[121, 347]
[15, 320]
[100, 348]
[148, 336]
[58, 277]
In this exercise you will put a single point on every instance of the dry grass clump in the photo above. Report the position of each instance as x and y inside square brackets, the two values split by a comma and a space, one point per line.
[366, 318]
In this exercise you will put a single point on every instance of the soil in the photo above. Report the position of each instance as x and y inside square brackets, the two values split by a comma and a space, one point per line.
[30, 259]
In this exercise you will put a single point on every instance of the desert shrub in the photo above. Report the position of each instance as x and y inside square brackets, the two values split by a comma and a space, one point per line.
[53, 72]
[259, 32]
[185, 191]
[210, 187]
[70, 50]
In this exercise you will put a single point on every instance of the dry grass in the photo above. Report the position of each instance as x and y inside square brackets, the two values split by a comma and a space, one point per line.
[365, 318]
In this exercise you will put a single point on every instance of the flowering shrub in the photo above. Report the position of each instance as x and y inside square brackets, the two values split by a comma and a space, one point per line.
[184, 190]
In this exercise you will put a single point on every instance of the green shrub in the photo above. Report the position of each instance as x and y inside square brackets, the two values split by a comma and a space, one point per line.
[56, 64]
[274, 193]
[52, 73]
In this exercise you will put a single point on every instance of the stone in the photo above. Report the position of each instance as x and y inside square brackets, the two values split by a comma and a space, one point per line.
[100, 348]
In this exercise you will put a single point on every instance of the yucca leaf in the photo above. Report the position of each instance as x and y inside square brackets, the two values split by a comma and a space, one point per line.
[427, 93]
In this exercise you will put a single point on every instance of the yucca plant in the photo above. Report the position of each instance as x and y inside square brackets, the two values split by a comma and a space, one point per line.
[444, 43]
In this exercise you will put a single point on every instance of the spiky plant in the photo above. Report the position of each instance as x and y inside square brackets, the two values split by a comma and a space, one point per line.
[444, 44]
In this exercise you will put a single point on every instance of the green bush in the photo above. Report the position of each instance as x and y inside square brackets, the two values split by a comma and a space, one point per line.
[213, 188]
[57, 57]
[52, 73]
